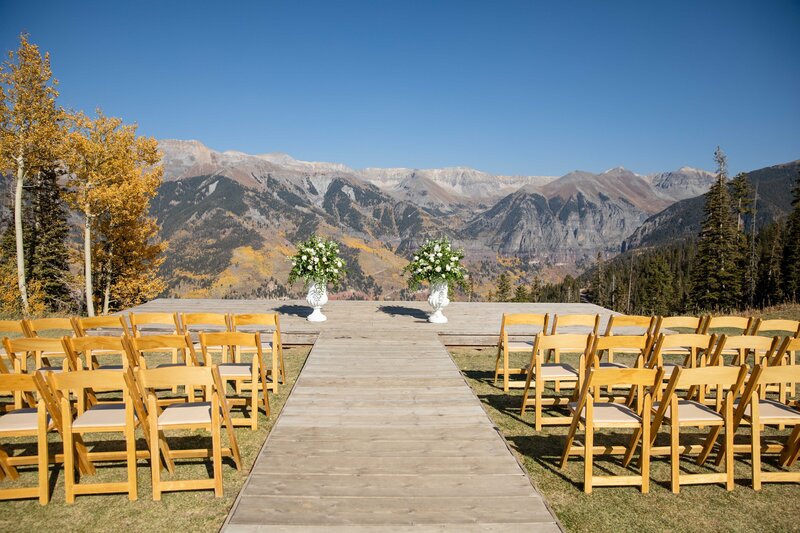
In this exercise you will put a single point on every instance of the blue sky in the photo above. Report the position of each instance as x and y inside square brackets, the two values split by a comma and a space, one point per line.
[507, 87]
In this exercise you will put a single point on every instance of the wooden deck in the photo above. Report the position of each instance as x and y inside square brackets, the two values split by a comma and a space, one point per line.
[381, 432]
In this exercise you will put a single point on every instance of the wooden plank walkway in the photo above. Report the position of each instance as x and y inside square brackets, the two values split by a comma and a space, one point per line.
[381, 432]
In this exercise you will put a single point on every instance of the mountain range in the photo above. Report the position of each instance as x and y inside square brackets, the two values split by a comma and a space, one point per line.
[230, 218]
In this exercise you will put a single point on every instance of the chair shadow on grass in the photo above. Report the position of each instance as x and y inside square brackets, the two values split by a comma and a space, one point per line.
[294, 310]
[401, 310]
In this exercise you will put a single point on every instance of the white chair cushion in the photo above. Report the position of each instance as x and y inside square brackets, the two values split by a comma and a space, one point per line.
[26, 419]
[519, 346]
[235, 370]
[558, 371]
[609, 413]
[103, 415]
[770, 409]
[185, 413]
[613, 365]
[691, 411]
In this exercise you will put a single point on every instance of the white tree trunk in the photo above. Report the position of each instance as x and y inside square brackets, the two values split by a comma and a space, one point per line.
[87, 263]
[23, 290]
[107, 290]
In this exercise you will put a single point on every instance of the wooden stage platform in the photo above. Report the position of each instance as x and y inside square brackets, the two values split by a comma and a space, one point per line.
[381, 432]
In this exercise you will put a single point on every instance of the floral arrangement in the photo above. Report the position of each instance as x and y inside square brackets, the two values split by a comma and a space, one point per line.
[317, 260]
[436, 261]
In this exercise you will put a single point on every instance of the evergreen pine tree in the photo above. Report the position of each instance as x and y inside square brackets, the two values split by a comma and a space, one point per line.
[790, 263]
[49, 256]
[743, 206]
[503, 293]
[535, 291]
[770, 245]
[716, 280]
[656, 288]
[521, 294]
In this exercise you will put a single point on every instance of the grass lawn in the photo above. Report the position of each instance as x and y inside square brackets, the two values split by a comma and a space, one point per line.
[697, 508]
[177, 511]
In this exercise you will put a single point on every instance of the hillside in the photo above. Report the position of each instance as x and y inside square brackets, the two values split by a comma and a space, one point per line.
[230, 218]
[684, 219]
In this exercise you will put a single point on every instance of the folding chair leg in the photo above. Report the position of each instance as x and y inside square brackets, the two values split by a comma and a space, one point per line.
[497, 365]
[263, 376]
[646, 447]
[43, 463]
[573, 428]
[216, 445]
[588, 458]
[675, 456]
[69, 466]
[626, 460]
[537, 409]
[792, 448]
[755, 444]
[7, 468]
[130, 448]
[729, 431]
[708, 446]
[275, 372]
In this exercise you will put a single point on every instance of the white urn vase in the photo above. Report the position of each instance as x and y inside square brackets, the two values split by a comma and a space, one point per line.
[316, 298]
[438, 300]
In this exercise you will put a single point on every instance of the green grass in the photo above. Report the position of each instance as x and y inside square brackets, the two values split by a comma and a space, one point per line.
[696, 508]
[177, 511]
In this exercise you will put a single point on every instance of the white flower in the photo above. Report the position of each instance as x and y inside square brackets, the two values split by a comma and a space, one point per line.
[312, 252]
[439, 254]
[436, 248]
[335, 271]
[321, 245]
[428, 267]
[416, 258]
[304, 258]
[453, 259]
[438, 269]
[316, 259]
[447, 268]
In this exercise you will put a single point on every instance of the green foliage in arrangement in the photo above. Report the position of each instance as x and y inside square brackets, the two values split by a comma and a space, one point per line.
[317, 260]
[436, 260]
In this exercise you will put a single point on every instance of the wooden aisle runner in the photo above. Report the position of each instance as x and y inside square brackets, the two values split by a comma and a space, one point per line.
[381, 432]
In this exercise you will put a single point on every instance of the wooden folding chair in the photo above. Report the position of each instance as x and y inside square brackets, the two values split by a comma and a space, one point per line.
[629, 326]
[53, 327]
[777, 326]
[741, 347]
[689, 346]
[101, 418]
[208, 416]
[677, 413]
[506, 346]
[540, 373]
[108, 325]
[741, 324]
[250, 373]
[43, 349]
[581, 323]
[102, 326]
[268, 325]
[194, 323]
[785, 356]
[86, 349]
[12, 329]
[758, 411]
[664, 324]
[140, 348]
[25, 422]
[592, 415]
[145, 324]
